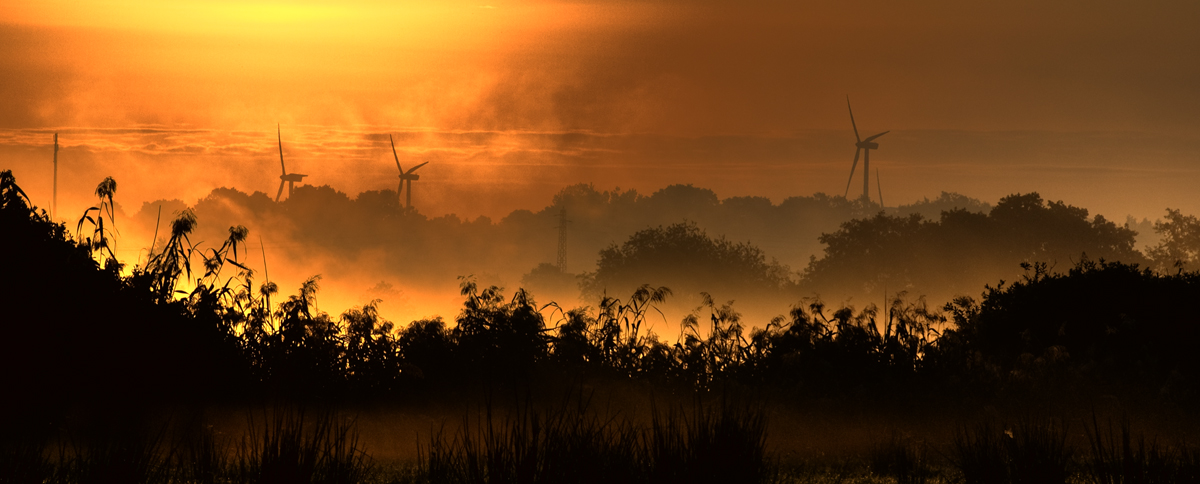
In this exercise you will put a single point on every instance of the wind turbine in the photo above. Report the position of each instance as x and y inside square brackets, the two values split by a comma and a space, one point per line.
[289, 178]
[405, 176]
[864, 146]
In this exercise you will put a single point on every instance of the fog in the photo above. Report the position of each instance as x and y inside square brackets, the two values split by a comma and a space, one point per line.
[367, 247]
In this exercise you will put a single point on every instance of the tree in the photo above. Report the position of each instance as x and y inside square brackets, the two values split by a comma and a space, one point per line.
[945, 202]
[1110, 322]
[1179, 249]
[500, 339]
[684, 257]
[963, 249]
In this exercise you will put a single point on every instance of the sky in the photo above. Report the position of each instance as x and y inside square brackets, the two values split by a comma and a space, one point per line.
[1094, 103]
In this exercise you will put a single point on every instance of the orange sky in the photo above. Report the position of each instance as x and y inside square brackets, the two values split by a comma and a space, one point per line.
[1091, 102]
[1076, 99]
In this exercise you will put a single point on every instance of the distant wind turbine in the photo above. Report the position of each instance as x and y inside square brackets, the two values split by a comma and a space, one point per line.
[405, 176]
[289, 178]
[864, 146]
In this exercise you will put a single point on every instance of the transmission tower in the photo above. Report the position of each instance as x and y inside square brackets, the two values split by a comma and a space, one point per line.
[54, 204]
[562, 239]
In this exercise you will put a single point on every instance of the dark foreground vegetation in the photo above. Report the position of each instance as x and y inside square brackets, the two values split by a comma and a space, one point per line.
[722, 442]
[90, 351]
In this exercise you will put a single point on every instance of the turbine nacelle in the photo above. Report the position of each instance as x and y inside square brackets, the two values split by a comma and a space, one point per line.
[869, 143]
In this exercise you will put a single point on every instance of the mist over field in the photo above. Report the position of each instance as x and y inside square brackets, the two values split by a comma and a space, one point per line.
[766, 257]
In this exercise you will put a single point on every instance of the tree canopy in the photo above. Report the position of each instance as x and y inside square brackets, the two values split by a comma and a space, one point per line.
[685, 258]
[954, 254]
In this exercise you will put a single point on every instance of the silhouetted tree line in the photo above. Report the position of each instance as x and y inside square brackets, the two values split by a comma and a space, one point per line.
[951, 255]
[1106, 325]
[191, 323]
[684, 257]
[329, 223]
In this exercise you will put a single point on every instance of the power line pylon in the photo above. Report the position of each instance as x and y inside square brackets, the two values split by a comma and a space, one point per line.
[562, 239]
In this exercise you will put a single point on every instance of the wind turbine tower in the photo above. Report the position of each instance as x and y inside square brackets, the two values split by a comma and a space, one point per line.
[405, 176]
[289, 178]
[864, 147]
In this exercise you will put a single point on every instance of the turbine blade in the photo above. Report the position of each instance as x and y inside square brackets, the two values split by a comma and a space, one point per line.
[415, 168]
[277, 195]
[878, 135]
[279, 137]
[394, 155]
[400, 189]
[852, 120]
[852, 168]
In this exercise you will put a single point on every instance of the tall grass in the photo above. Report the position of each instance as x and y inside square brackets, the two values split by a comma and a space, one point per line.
[126, 450]
[898, 457]
[725, 442]
[1134, 461]
[717, 443]
[281, 446]
[531, 446]
[294, 447]
[23, 456]
[202, 456]
[1025, 452]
